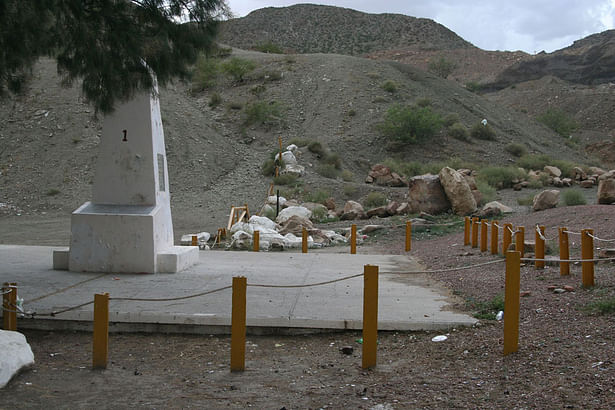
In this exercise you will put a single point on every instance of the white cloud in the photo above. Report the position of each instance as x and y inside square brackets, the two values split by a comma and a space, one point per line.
[529, 25]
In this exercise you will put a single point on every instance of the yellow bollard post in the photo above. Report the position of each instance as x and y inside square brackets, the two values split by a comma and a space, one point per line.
[9, 305]
[540, 247]
[511, 302]
[494, 237]
[483, 236]
[100, 336]
[195, 240]
[506, 238]
[587, 252]
[564, 252]
[353, 239]
[475, 232]
[304, 241]
[520, 240]
[408, 236]
[466, 231]
[370, 316]
[256, 241]
[238, 325]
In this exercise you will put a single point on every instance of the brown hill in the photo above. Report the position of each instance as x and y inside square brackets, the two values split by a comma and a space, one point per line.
[308, 28]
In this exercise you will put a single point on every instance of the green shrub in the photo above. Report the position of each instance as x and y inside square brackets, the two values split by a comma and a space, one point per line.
[410, 124]
[333, 158]
[573, 197]
[352, 113]
[423, 102]
[317, 148]
[488, 192]
[328, 171]
[268, 167]
[380, 99]
[374, 200]
[536, 183]
[235, 105]
[275, 75]
[258, 90]
[215, 100]
[319, 196]
[482, 132]
[500, 177]
[407, 169]
[264, 113]
[566, 167]
[450, 119]
[347, 175]
[459, 131]
[525, 200]
[602, 307]
[349, 190]
[486, 310]
[53, 192]
[319, 215]
[238, 68]
[285, 179]
[389, 86]
[473, 86]
[442, 67]
[269, 47]
[205, 73]
[534, 162]
[558, 121]
[300, 142]
[515, 149]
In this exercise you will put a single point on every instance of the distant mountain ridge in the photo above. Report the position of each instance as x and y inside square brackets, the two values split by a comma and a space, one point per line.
[309, 28]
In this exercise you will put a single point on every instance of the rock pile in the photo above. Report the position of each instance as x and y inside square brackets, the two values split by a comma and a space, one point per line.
[382, 175]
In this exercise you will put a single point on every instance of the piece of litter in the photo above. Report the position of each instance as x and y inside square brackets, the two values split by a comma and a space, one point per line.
[440, 338]
[279, 344]
[500, 315]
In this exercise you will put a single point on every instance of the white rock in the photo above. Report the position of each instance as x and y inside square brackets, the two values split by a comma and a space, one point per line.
[15, 354]
[286, 213]
[272, 200]
[293, 169]
[495, 204]
[292, 148]
[289, 158]
[202, 238]
[263, 221]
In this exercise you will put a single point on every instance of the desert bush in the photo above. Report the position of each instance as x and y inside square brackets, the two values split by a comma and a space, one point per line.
[473, 86]
[235, 105]
[238, 68]
[500, 177]
[534, 162]
[319, 196]
[488, 192]
[410, 124]
[536, 183]
[205, 73]
[53, 192]
[423, 102]
[263, 113]
[328, 171]
[347, 175]
[352, 113]
[450, 119]
[459, 131]
[525, 200]
[558, 121]
[389, 86]
[215, 100]
[515, 149]
[442, 67]
[573, 197]
[258, 90]
[486, 310]
[374, 200]
[566, 167]
[380, 99]
[300, 142]
[332, 158]
[320, 215]
[317, 148]
[349, 190]
[482, 132]
[269, 47]
[407, 169]
[602, 306]
[285, 179]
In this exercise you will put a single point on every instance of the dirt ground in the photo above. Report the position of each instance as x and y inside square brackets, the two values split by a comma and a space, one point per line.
[565, 357]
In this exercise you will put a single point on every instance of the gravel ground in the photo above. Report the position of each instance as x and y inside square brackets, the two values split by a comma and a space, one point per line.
[565, 357]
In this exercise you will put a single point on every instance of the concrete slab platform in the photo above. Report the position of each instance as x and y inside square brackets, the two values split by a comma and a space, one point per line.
[406, 301]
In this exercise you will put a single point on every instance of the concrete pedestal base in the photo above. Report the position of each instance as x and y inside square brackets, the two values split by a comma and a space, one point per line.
[123, 239]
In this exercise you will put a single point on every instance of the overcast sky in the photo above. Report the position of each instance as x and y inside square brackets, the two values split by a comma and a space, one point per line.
[528, 25]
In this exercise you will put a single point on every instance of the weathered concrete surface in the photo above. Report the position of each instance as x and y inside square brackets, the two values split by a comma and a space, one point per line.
[407, 301]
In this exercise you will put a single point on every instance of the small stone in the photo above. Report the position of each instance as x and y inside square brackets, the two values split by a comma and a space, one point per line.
[568, 288]
[525, 293]
[559, 290]
[551, 288]
[347, 350]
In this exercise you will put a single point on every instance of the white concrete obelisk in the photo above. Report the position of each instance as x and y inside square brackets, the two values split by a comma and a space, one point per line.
[127, 226]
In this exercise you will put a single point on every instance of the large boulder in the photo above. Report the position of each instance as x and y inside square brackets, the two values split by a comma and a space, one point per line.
[553, 171]
[380, 212]
[382, 175]
[606, 191]
[295, 225]
[286, 213]
[427, 195]
[353, 210]
[15, 354]
[457, 191]
[545, 200]
[289, 158]
[497, 205]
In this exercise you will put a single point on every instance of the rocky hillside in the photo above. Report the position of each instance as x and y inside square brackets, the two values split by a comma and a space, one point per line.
[308, 28]
[588, 61]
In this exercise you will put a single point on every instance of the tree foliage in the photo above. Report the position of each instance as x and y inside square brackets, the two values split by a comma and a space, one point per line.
[442, 67]
[410, 124]
[111, 45]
